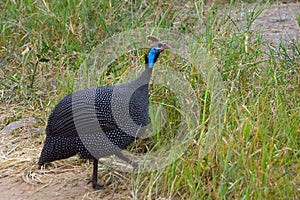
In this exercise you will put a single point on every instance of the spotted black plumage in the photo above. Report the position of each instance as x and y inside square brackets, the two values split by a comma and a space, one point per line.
[98, 122]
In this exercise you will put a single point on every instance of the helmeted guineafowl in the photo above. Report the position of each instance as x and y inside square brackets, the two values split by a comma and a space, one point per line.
[101, 121]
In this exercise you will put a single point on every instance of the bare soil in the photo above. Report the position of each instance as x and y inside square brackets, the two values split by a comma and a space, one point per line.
[279, 23]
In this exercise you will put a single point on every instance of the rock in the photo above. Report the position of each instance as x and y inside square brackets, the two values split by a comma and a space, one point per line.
[18, 124]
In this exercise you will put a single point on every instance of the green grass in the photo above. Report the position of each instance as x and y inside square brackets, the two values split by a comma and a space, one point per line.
[43, 44]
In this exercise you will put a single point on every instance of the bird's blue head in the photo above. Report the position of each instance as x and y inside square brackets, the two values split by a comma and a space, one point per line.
[153, 53]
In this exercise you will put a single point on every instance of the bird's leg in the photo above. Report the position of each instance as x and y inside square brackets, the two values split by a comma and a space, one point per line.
[134, 164]
[94, 181]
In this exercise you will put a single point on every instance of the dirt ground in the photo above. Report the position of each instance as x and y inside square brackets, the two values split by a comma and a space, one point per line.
[60, 186]
[16, 188]
[62, 180]
[278, 23]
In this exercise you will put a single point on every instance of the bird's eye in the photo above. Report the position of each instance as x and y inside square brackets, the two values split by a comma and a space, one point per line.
[159, 45]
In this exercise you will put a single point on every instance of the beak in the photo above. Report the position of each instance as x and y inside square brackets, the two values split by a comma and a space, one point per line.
[164, 46]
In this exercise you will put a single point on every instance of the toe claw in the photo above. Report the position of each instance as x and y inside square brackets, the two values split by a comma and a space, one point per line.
[96, 185]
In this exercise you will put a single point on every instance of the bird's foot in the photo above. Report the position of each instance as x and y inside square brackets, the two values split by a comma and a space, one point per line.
[135, 166]
[96, 185]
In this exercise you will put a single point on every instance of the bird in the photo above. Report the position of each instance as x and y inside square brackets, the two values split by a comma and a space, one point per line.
[101, 121]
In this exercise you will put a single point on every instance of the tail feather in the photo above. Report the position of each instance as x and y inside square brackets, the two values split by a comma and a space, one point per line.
[56, 148]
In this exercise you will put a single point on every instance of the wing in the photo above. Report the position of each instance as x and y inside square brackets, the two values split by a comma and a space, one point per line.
[84, 110]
